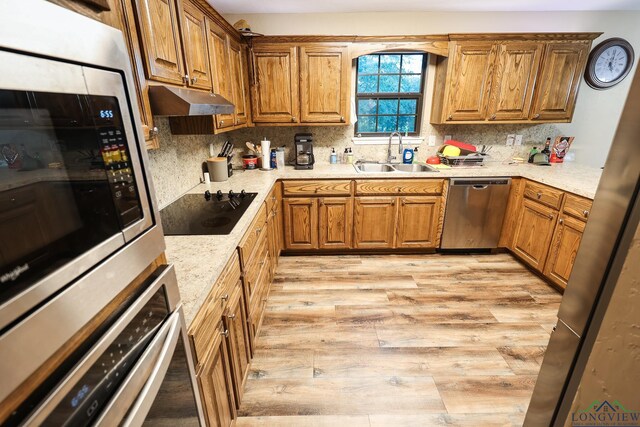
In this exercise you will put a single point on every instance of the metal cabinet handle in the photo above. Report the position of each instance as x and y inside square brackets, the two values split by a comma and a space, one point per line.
[194, 80]
[586, 214]
[293, 119]
[153, 131]
[221, 122]
[536, 116]
[550, 216]
[224, 297]
[226, 333]
[231, 316]
[342, 119]
[493, 117]
[561, 221]
[539, 195]
[185, 78]
[450, 117]
[258, 230]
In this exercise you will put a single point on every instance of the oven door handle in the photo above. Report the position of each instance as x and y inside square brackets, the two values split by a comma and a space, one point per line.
[135, 396]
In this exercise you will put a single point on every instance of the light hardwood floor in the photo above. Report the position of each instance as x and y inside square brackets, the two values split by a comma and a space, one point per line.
[395, 340]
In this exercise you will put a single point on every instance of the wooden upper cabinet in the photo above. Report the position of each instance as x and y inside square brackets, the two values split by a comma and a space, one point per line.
[374, 222]
[195, 47]
[160, 35]
[219, 58]
[301, 223]
[275, 84]
[238, 76]
[335, 222]
[563, 251]
[562, 67]
[324, 84]
[533, 234]
[471, 75]
[418, 222]
[516, 69]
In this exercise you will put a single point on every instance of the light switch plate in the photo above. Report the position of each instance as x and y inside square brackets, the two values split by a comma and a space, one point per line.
[518, 139]
[432, 140]
[510, 139]
[448, 137]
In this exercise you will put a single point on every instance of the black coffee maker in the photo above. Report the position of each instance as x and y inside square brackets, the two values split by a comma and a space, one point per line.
[303, 146]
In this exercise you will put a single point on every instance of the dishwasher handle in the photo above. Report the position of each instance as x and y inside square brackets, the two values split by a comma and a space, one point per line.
[480, 186]
[478, 182]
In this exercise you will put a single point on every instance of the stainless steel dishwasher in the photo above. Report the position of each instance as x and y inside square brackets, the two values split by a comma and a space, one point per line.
[474, 213]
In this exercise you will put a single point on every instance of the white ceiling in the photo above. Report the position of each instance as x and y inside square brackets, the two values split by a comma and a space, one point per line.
[329, 6]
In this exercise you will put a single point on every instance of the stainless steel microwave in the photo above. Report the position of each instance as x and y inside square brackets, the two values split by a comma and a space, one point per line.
[78, 218]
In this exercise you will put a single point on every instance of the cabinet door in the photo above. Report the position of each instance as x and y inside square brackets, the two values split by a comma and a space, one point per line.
[275, 85]
[516, 68]
[195, 44]
[301, 223]
[335, 222]
[215, 385]
[557, 88]
[375, 222]
[324, 84]
[235, 321]
[564, 247]
[219, 57]
[533, 233]
[418, 221]
[160, 35]
[471, 75]
[237, 79]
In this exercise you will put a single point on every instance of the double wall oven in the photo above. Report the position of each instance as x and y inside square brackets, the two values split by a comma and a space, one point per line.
[82, 340]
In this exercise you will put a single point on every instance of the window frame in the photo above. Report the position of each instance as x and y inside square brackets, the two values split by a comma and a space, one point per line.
[418, 96]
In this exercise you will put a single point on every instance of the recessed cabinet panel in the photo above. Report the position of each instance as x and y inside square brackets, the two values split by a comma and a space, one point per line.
[516, 68]
[534, 232]
[564, 248]
[301, 223]
[324, 85]
[196, 53]
[220, 69]
[471, 76]
[375, 222]
[418, 220]
[336, 222]
[556, 92]
[275, 85]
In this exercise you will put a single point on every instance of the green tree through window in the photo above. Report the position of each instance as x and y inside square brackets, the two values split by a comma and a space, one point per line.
[389, 93]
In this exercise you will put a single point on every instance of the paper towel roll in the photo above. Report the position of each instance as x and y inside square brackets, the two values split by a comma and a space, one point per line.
[265, 145]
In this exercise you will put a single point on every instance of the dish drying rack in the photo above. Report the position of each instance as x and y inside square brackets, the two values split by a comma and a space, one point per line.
[475, 159]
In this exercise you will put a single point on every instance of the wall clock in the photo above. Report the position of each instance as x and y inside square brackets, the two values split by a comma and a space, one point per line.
[609, 63]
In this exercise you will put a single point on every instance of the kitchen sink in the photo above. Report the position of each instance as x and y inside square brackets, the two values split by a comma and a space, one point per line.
[375, 167]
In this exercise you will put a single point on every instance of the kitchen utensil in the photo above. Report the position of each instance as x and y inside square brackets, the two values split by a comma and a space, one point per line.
[433, 160]
[251, 146]
[218, 169]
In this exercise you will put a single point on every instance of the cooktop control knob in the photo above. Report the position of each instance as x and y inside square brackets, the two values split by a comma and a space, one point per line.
[243, 193]
[219, 194]
[207, 195]
[231, 194]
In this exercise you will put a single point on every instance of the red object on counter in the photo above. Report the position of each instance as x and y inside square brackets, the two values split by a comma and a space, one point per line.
[433, 160]
[461, 145]
[250, 161]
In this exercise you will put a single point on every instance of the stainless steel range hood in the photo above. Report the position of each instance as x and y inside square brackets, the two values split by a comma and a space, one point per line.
[175, 101]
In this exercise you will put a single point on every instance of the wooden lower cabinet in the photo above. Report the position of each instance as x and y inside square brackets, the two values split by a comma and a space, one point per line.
[533, 234]
[301, 223]
[237, 337]
[216, 387]
[418, 221]
[564, 247]
[335, 226]
[375, 219]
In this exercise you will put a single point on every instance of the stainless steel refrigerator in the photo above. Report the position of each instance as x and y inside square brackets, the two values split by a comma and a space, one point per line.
[612, 222]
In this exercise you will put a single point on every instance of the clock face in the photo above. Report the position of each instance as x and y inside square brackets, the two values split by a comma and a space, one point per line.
[611, 64]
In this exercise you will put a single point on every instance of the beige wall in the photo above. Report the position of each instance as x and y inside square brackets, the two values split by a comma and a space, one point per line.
[597, 112]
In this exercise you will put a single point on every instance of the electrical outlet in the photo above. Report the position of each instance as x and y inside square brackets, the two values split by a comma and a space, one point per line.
[432, 140]
[518, 140]
[448, 137]
[510, 139]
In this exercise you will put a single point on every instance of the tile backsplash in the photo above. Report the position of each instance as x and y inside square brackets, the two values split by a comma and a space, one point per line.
[177, 165]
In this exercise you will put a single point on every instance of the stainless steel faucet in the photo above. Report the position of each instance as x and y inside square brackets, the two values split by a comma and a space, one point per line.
[390, 158]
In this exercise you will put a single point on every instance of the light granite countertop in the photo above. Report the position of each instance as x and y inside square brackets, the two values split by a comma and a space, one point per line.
[199, 259]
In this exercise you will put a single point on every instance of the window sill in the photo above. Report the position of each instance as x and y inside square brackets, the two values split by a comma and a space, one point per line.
[384, 140]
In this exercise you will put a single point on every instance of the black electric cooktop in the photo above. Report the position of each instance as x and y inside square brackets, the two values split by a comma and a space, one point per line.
[205, 213]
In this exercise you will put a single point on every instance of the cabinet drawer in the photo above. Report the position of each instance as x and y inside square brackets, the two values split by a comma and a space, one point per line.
[254, 265]
[319, 188]
[543, 194]
[399, 186]
[577, 206]
[208, 318]
[248, 242]
[271, 200]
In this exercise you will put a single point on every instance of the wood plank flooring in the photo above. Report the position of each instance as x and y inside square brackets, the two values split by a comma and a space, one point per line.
[399, 340]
